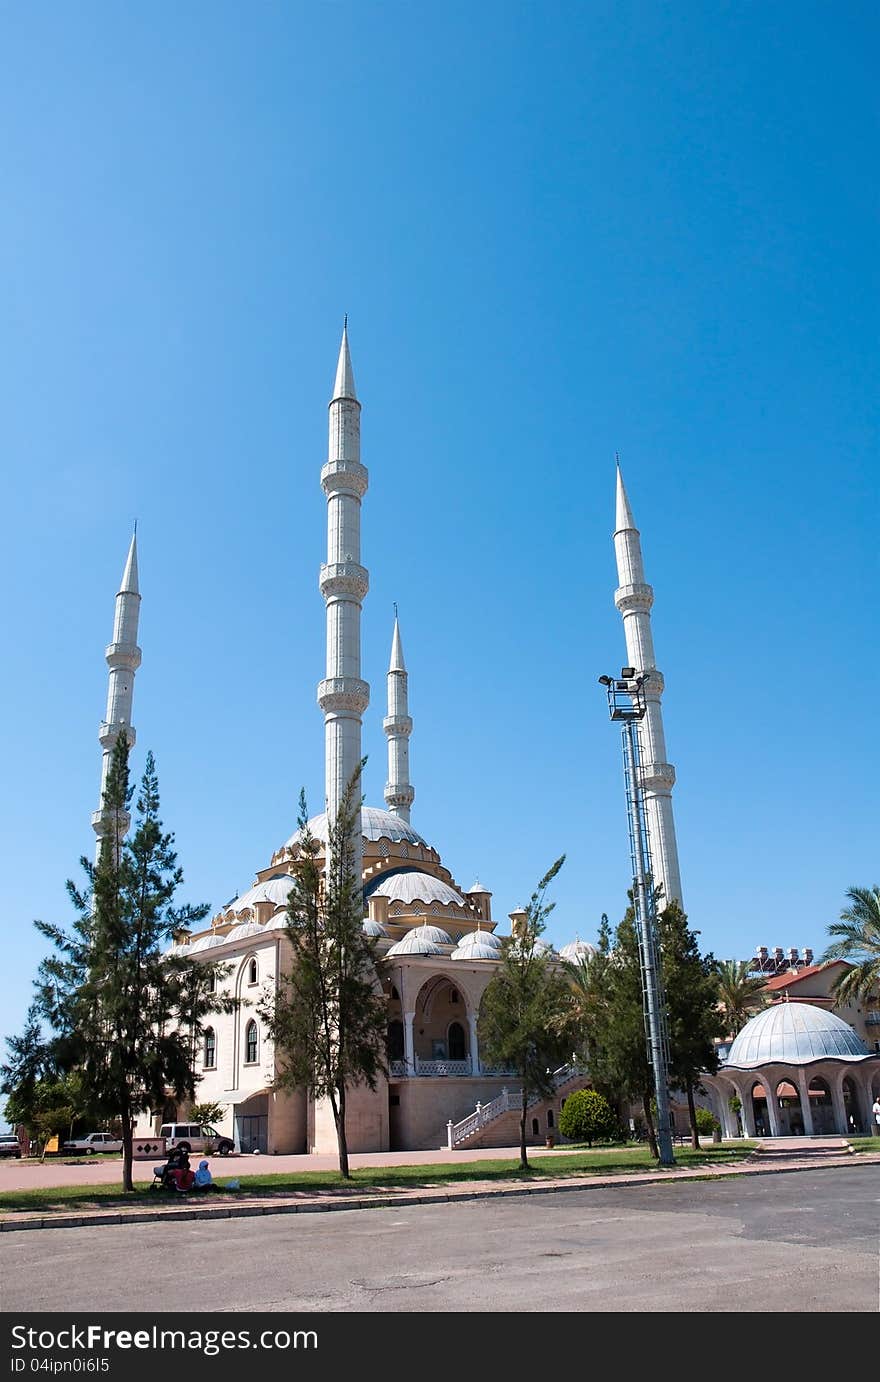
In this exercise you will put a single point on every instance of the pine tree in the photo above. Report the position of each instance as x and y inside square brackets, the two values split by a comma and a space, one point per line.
[690, 981]
[619, 1062]
[122, 1011]
[526, 1016]
[328, 1019]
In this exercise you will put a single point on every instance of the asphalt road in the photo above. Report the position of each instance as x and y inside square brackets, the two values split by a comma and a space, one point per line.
[804, 1241]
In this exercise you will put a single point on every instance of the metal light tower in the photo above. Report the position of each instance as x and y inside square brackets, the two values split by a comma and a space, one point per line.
[626, 703]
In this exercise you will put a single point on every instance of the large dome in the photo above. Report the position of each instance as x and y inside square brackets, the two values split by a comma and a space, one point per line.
[794, 1034]
[375, 824]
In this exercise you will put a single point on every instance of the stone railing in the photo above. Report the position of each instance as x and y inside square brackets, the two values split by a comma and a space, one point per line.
[483, 1114]
[433, 1068]
[456, 1133]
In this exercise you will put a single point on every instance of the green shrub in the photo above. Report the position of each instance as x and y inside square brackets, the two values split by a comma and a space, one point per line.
[706, 1121]
[587, 1117]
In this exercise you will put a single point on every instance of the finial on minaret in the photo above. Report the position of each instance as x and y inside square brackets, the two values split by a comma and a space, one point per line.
[397, 663]
[129, 584]
[343, 386]
[623, 517]
[123, 659]
[399, 792]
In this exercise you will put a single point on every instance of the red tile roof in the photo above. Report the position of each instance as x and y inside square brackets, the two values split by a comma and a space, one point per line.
[783, 980]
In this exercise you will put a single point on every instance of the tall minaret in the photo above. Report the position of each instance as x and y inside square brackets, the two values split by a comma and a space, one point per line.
[399, 792]
[342, 695]
[123, 658]
[634, 598]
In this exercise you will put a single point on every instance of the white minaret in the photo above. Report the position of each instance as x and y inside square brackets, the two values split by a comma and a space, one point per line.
[342, 695]
[123, 658]
[399, 792]
[634, 598]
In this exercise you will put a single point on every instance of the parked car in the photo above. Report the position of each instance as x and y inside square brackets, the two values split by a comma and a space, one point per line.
[10, 1145]
[93, 1142]
[195, 1137]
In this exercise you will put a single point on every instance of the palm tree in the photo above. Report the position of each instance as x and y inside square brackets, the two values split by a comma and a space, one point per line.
[740, 993]
[857, 939]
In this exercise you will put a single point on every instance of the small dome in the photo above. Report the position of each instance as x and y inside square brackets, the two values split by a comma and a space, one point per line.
[480, 938]
[478, 888]
[277, 923]
[421, 940]
[794, 1033]
[244, 931]
[275, 889]
[373, 928]
[375, 823]
[577, 950]
[478, 951]
[409, 885]
[206, 943]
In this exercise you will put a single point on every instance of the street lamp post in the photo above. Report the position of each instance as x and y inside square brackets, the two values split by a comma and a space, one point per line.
[626, 704]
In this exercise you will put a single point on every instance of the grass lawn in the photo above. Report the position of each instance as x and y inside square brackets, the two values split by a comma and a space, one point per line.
[599, 1160]
[864, 1144]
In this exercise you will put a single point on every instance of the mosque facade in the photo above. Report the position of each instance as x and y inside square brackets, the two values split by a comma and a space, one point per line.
[436, 942]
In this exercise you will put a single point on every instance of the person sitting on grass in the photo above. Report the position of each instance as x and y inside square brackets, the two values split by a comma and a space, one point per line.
[204, 1179]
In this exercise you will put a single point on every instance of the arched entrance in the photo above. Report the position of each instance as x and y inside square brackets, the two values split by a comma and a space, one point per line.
[821, 1107]
[852, 1107]
[789, 1116]
[441, 1029]
[760, 1112]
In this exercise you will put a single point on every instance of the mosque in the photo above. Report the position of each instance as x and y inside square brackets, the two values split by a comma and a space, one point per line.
[436, 942]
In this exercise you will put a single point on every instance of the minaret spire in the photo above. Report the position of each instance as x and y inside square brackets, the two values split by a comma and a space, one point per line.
[123, 658]
[634, 598]
[343, 696]
[399, 792]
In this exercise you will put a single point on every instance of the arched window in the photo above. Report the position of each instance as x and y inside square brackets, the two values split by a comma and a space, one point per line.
[250, 1043]
[535, 1129]
[212, 981]
[252, 971]
[210, 1048]
[549, 1118]
[456, 1041]
[395, 1040]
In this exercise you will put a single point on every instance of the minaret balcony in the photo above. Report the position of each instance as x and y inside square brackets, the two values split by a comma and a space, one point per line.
[345, 579]
[123, 655]
[399, 794]
[108, 734]
[343, 695]
[399, 725]
[102, 821]
[632, 599]
[658, 777]
[345, 477]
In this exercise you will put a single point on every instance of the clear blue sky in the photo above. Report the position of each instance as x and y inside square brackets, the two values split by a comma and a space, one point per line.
[559, 230]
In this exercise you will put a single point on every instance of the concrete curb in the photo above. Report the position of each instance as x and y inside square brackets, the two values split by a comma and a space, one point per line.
[335, 1201]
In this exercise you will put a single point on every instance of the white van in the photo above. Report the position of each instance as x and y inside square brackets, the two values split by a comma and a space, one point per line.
[193, 1137]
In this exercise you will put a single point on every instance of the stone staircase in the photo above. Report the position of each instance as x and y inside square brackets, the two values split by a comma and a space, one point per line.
[496, 1124]
[814, 1151]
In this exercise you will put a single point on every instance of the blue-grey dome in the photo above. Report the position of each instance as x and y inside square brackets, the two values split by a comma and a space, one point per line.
[409, 885]
[479, 950]
[275, 889]
[375, 825]
[421, 940]
[373, 928]
[794, 1034]
[577, 950]
[482, 940]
